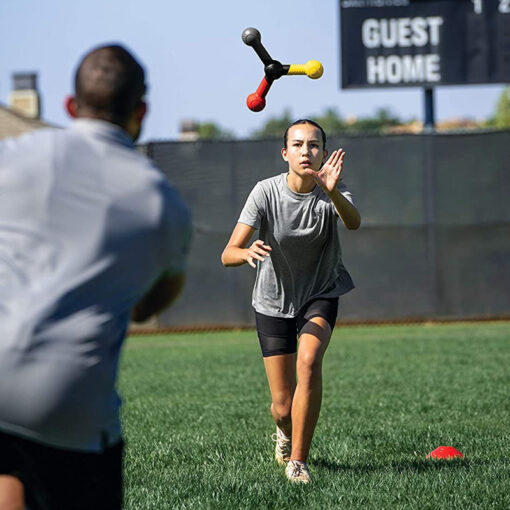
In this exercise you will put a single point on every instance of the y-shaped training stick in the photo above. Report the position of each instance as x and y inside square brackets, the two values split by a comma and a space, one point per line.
[273, 70]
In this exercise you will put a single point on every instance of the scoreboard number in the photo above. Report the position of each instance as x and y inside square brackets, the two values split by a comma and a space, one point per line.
[504, 6]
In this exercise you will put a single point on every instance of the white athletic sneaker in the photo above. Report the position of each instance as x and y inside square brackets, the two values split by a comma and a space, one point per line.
[297, 472]
[283, 447]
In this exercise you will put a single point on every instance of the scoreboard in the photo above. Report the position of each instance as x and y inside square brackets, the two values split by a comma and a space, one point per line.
[424, 43]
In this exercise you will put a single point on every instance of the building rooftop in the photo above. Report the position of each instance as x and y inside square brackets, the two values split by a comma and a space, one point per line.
[15, 124]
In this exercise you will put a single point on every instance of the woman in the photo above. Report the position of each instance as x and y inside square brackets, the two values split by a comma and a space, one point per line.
[300, 276]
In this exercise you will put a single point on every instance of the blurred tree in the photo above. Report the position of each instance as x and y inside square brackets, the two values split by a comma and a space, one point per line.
[331, 121]
[501, 118]
[274, 126]
[334, 124]
[212, 131]
[383, 118]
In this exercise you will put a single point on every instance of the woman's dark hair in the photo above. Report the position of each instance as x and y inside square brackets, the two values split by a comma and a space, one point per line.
[305, 121]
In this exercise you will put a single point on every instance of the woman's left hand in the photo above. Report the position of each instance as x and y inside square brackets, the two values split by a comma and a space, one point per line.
[329, 175]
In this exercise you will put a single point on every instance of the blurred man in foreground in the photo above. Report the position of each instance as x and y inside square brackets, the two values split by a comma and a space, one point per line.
[91, 234]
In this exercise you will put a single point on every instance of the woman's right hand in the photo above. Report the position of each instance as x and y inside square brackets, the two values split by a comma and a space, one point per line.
[257, 251]
[236, 253]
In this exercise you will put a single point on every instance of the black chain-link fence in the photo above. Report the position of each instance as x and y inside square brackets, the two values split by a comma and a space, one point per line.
[435, 235]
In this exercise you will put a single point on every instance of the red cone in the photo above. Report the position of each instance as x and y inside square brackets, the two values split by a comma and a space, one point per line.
[444, 452]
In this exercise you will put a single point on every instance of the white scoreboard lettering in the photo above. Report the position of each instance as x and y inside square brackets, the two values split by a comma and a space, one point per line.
[387, 43]
[408, 69]
[401, 32]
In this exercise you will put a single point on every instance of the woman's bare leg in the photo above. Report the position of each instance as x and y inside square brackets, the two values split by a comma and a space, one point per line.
[306, 403]
[281, 376]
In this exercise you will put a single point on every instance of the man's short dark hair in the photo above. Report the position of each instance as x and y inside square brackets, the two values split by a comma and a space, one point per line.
[109, 84]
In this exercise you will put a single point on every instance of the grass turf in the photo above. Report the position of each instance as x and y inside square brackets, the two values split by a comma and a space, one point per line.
[197, 423]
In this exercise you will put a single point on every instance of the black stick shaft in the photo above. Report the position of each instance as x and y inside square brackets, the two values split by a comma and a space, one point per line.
[262, 53]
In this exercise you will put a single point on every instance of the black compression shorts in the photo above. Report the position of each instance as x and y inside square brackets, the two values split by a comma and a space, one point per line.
[56, 479]
[278, 335]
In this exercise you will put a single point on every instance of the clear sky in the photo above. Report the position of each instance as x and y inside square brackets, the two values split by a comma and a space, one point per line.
[197, 65]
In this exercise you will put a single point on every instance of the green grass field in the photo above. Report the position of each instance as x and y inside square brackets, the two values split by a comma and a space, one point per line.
[197, 423]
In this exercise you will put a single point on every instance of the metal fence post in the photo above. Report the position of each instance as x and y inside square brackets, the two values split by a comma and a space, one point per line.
[430, 210]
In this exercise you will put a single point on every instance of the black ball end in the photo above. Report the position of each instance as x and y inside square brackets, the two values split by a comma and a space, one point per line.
[251, 36]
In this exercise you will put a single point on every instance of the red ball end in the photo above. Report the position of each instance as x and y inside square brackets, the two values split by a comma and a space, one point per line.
[255, 102]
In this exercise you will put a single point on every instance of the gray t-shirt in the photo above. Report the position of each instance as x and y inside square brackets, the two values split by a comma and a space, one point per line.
[87, 224]
[306, 258]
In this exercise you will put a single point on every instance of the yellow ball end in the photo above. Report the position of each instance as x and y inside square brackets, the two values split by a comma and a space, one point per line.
[314, 69]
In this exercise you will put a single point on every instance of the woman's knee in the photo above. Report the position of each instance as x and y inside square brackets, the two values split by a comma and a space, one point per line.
[309, 366]
[282, 405]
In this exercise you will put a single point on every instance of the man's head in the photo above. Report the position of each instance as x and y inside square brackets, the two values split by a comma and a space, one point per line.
[110, 85]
